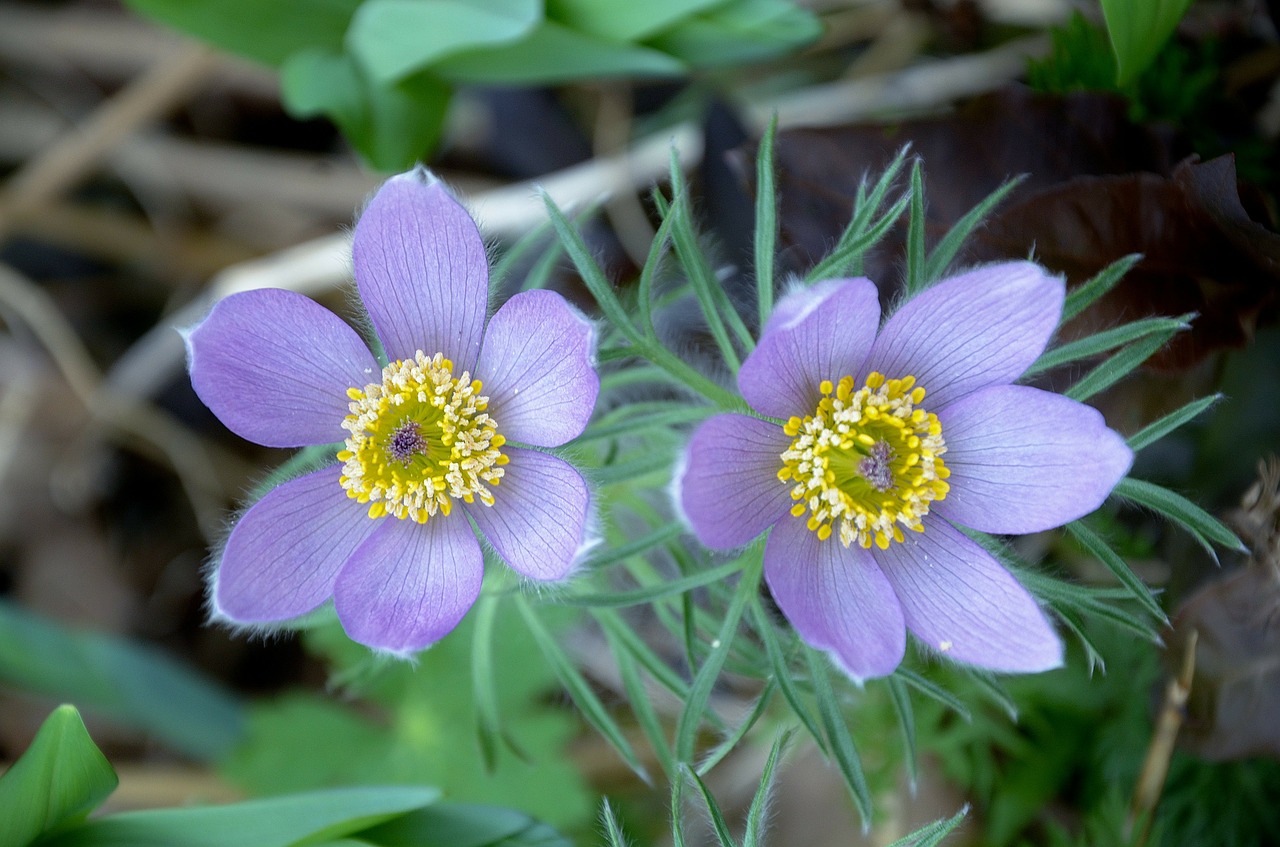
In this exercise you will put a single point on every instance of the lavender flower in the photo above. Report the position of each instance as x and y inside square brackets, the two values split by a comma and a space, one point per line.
[890, 441]
[388, 531]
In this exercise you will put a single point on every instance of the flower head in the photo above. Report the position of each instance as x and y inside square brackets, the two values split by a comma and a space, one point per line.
[892, 438]
[427, 441]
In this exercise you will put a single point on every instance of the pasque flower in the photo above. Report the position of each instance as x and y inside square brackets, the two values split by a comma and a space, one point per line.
[429, 440]
[889, 440]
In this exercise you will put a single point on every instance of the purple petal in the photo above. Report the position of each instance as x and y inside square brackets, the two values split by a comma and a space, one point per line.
[536, 369]
[282, 557]
[836, 598]
[728, 487]
[981, 328]
[539, 515]
[959, 600]
[275, 367]
[1025, 460]
[815, 334]
[422, 271]
[409, 584]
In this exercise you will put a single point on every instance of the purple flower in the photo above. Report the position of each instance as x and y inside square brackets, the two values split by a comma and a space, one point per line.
[891, 441]
[388, 532]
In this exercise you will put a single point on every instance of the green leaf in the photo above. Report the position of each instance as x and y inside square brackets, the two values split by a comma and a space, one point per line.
[841, 742]
[464, 825]
[941, 256]
[611, 827]
[931, 835]
[739, 32]
[624, 20]
[59, 779]
[725, 747]
[654, 592]
[906, 724]
[554, 53]
[1100, 550]
[916, 279]
[264, 32]
[1138, 29]
[132, 683]
[717, 817]
[857, 237]
[393, 39]
[754, 833]
[1122, 363]
[641, 704]
[1202, 526]
[1085, 295]
[766, 233]
[276, 822]
[1108, 339]
[782, 674]
[391, 126]
[1153, 432]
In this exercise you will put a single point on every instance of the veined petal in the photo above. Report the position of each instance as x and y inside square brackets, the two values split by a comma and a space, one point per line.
[284, 554]
[409, 584]
[818, 333]
[728, 485]
[275, 367]
[960, 601]
[422, 271]
[836, 598]
[1025, 460]
[539, 515]
[536, 369]
[981, 328]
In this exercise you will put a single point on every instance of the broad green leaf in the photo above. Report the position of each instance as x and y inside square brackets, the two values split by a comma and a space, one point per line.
[739, 32]
[1138, 29]
[263, 31]
[59, 779]
[464, 825]
[288, 821]
[624, 20]
[391, 126]
[393, 39]
[133, 683]
[554, 53]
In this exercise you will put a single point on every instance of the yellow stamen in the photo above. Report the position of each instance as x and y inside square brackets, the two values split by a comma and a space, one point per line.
[419, 440]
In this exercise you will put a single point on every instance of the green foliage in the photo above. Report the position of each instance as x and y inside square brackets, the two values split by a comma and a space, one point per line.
[383, 70]
[132, 683]
[60, 779]
[428, 731]
[1138, 29]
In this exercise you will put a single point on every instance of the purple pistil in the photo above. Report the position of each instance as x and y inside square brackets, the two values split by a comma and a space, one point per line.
[874, 467]
[406, 442]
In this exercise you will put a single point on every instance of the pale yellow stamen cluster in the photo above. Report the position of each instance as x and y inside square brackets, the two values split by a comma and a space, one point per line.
[419, 440]
[868, 460]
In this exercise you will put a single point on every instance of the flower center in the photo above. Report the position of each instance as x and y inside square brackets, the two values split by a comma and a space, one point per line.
[419, 440]
[869, 460]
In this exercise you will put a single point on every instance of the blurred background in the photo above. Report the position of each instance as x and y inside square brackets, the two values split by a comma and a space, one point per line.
[157, 156]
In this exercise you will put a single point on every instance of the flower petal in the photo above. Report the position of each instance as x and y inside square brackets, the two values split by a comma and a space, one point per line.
[981, 328]
[422, 271]
[1025, 460]
[539, 515]
[728, 485]
[816, 333]
[410, 584]
[282, 557]
[275, 367]
[836, 598]
[536, 369]
[961, 602]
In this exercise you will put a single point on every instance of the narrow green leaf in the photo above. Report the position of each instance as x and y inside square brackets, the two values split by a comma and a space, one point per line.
[653, 592]
[652, 462]
[991, 688]
[1118, 366]
[933, 691]
[1085, 295]
[753, 836]
[846, 754]
[766, 234]
[931, 835]
[580, 690]
[641, 704]
[1202, 526]
[906, 724]
[611, 555]
[1095, 602]
[285, 821]
[59, 779]
[1108, 339]
[1073, 623]
[1100, 550]
[695, 707]
[590, 272]
[941, 256]
[783, 675]
[644, 290]
[484, 689]
[649, 660]
[866, 205]
[633, 422]
[916, 279]
[717, 817]
[677, 810]
[611, 827]
[731, 741]
[846, 258]
[1153, 432]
